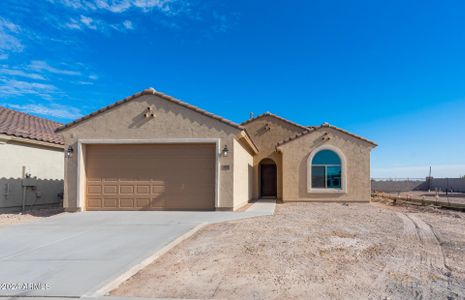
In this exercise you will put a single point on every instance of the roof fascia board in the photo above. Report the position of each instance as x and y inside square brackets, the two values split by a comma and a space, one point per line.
[243, 135]
[6, 138]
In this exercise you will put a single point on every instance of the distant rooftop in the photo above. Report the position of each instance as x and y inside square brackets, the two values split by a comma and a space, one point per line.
[18, 124]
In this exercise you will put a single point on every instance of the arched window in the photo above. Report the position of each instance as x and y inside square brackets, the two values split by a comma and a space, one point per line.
[326, 170]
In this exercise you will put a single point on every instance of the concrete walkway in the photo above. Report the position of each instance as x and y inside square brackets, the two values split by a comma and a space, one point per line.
[71, 255]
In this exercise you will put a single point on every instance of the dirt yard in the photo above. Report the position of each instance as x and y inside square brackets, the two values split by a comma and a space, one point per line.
[312, 251]
[7, 219]
[442, 197]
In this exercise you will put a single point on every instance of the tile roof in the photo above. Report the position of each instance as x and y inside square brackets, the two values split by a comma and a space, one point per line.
[151, 91]
[324, 125]
[18, 124]
[268, 114]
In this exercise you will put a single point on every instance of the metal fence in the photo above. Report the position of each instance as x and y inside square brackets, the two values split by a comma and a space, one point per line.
[390, 185]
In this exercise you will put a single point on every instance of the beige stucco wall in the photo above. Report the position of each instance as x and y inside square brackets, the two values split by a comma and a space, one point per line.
[243, 178]
[295, 155]
[127, 121]
[44, 163]
[266, 141]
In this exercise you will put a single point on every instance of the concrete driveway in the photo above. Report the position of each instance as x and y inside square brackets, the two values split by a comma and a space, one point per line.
[71, 255]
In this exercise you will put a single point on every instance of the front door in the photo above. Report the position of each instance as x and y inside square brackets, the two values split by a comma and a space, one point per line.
[268, 180]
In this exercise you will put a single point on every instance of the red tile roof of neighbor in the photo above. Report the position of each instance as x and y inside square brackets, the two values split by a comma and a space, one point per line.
[18, 124]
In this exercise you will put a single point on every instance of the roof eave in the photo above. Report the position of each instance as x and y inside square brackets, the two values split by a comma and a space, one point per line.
[269, 114]
[373, 144]
[246, 137]
[8, 137]
[149, 91]
[316, 128]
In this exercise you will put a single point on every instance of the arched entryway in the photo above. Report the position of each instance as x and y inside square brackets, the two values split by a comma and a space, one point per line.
[268, 178]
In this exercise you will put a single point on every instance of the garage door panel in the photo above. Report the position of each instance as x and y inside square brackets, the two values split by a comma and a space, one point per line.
[126, 203]
[126, 189]
[94, 180]
[158, 189]
[94, 202]
[94, 189]
[110, 189]
[158, 203]
[110, 202]
[142, 202]
[143, 189]
[109, 180]
[171, 176]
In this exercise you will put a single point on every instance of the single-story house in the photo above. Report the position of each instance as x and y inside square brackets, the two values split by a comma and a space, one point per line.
[151, 151]
[31, 160]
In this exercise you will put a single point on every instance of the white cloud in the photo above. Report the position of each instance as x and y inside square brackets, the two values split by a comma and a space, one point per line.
[21, 73]
[34, 79]
[9, 25]
[8, 41]
[85, 22]
[119, 6]
[83, 82]
[41, 66]
[53, 110]
[39, 70]
[73, 24]
[122, 27]
[88, 22]
[147, 5]
[13, 87]
[93, 14]
[113, 6]
[75, 4]
[128, 25]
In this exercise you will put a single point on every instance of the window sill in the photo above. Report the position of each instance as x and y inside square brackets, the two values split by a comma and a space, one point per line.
[326, 191]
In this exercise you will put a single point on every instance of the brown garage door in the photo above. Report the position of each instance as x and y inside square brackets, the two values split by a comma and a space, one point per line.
[150, 177]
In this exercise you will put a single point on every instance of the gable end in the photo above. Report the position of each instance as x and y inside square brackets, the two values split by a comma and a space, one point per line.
[150, 91]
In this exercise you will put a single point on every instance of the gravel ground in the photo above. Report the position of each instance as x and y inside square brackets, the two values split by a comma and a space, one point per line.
[316, 250]
[16, 218]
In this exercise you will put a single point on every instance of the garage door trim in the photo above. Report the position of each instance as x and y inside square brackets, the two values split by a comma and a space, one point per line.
[81, 178]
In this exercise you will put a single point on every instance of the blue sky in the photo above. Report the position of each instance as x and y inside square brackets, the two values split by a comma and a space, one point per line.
[391, 71]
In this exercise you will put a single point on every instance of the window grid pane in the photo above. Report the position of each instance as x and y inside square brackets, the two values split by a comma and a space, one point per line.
[319, 177]
[326, 170]
[333, 177]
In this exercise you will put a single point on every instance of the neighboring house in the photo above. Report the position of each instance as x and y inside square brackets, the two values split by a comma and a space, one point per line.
[153, 152]
[29, 147]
